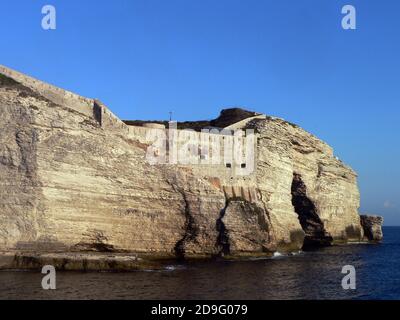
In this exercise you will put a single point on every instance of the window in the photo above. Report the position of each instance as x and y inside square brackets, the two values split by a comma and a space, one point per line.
[228, 165]
[243, 165]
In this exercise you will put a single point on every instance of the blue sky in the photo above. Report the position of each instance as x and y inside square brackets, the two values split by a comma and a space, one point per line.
[289, 59]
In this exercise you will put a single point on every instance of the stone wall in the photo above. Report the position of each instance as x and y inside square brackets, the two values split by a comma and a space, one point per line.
[52, 93]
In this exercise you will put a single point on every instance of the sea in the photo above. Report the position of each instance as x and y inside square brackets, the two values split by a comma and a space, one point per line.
[303, 275]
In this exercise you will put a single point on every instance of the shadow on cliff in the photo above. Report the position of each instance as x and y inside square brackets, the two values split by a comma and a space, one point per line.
[191, 230]
[223, 236]
[313, 227]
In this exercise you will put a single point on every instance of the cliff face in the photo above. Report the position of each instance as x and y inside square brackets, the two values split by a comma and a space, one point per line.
[372, 227]
[302, 181]
[73, 177]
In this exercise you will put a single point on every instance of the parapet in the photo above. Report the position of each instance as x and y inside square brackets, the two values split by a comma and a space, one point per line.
[57, 95]
[154, 125]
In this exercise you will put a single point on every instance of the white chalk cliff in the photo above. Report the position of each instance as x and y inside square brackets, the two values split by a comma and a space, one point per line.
[74, 178]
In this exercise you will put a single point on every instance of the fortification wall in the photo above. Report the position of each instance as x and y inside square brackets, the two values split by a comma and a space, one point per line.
[201, 150]
[107, 119]
[227, 174]
[241, 124]
[201, 146]
[53, 93]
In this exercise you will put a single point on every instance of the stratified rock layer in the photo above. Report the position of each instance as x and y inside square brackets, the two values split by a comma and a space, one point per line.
[245, 229]
[73, 177]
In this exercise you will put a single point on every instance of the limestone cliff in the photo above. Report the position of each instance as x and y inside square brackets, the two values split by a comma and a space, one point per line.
[372, 227]
[74, 177]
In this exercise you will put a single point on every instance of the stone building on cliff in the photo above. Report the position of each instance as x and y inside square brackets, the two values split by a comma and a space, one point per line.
[74, 178]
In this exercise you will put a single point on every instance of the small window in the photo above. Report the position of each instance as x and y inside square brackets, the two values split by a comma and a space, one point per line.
[243, 165]
[228, 165]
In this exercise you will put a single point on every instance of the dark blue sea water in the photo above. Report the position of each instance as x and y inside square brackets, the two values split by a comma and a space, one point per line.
[308, 275]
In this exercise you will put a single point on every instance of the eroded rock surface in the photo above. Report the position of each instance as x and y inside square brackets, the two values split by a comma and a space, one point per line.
[74, 178]
[314, 229]
[372, 227]
[245, 229]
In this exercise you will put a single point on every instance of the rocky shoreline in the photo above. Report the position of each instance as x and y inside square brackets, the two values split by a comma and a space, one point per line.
[83, 261]
[119, 262]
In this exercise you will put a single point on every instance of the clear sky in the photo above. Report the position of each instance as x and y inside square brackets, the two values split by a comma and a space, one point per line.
[290, 59]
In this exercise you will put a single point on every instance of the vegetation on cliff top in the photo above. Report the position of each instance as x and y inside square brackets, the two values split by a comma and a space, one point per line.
[226, 118]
